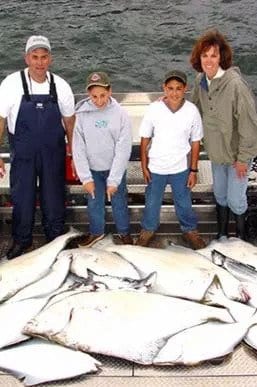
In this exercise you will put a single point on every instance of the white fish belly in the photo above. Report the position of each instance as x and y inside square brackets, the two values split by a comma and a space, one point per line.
[100, 261]
[181, 272]
[210, 340]
[28, 268]
[131, 325]
[40, 361]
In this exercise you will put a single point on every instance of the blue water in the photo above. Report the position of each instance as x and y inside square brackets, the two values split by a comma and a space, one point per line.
[136, 42]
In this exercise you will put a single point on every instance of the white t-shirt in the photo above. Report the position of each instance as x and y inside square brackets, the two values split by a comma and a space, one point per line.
[11, 92]
[172, 134]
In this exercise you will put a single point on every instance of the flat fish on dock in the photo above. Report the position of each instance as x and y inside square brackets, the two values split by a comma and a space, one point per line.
[232, 247]
[126, 324]
[47, 284]
[242, 271]
[13, 317]
[100, 261]
[211, 340]
[38, 361]
[181, 272]
[28, 268]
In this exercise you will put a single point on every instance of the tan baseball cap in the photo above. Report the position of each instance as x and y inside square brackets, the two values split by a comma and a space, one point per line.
[98, 79]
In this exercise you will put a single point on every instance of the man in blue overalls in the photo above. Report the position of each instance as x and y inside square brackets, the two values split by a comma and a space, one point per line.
[39, 109]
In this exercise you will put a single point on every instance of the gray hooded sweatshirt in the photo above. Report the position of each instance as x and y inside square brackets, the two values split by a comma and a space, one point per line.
[102, 141]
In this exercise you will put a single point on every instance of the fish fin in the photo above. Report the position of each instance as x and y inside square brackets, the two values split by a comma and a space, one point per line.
[105, 242]
[91, 274]
[150, 280]
[215, 294]
[96, 285]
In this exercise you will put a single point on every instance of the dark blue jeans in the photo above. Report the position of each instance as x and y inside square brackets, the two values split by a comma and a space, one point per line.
[96, 207]
[181, 196]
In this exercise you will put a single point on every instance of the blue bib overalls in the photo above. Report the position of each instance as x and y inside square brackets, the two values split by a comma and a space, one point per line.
[37, 155]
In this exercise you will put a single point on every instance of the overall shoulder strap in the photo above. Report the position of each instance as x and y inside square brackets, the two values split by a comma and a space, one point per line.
[25, 86]
[53, 91]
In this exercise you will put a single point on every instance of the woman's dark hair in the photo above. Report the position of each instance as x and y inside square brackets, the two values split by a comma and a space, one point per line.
[207, 40]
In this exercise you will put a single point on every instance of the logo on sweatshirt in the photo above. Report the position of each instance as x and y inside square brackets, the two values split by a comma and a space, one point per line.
[101, 124]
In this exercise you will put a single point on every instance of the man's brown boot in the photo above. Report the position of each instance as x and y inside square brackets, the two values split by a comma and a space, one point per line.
[126, 239]
[90, 239]
[145, 238]
[194, 239]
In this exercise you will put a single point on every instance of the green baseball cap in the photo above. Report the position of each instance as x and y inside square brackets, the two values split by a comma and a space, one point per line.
[98, 79]
[176, 74]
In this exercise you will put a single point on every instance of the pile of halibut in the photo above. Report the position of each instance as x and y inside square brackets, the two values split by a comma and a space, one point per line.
[147, 305]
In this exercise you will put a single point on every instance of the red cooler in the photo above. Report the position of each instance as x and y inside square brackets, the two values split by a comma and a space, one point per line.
[70, 179]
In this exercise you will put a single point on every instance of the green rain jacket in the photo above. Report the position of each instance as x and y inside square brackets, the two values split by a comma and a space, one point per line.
[229, 117]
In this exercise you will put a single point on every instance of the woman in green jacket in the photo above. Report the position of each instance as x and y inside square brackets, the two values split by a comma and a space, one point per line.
[229, 118]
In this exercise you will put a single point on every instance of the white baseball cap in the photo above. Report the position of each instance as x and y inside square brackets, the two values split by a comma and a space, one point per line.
[37, 41]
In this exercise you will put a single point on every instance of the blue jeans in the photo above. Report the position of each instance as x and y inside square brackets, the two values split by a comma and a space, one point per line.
[181, 196]
[96, 207]
[228, 189]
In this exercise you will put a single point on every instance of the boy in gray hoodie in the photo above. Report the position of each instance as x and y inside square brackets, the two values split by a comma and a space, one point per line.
[102, 143]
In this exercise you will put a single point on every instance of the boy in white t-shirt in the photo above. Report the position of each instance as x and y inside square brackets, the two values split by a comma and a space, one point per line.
[170, 132]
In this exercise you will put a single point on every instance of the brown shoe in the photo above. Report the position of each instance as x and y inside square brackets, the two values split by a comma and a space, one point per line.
[145, 238]
[194, 239]
[126, 239]
[90, 239]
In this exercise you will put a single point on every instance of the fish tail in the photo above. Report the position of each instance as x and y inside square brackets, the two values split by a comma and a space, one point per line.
[215, 294]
